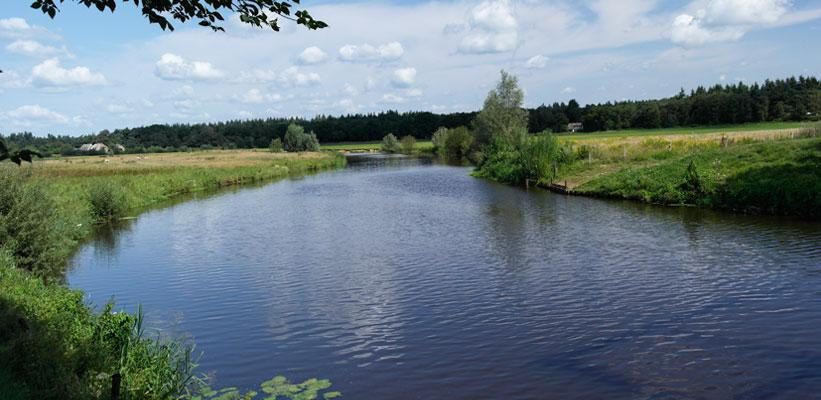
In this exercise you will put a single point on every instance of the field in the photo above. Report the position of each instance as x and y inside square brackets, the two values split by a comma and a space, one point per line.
[709, 130]
[775, 171]
[355, 147]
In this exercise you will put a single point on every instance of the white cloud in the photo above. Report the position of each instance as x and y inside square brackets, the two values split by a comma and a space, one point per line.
[569, 90]
[294, 77]
[744, 12]
[725, 20]
[538, 61]
[350, 90]
[404, 77]
[14, 27]
[33, 114]
[49, 73]
[256, 96]
[245, 114]
[392, 98]
[415, 93]
[366, 52]
[493, 28]
[32, 48]
[118, 109]
[173, 67]
[312, 55]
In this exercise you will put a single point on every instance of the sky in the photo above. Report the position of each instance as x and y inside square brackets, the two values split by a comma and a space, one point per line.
[85, 71]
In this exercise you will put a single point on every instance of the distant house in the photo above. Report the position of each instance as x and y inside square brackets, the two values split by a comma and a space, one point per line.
[575, 127]
[95, 148]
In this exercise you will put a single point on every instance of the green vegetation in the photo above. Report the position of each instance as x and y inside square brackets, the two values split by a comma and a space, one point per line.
[780, 177]
[421, 146]
[276, 145]
[297, 140]
[408, 144]
[771, 167]
[390, 144]
[52, 346]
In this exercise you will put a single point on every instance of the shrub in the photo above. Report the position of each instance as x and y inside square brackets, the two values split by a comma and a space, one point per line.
[27, 223]
[276, 145]
[296, 140]
[457, 143]
[390, 144]
[408, 144]
[439, 138]
[107, 201]
[535, 158]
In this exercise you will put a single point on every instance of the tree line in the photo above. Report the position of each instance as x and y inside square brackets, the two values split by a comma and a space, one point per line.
[792, 99]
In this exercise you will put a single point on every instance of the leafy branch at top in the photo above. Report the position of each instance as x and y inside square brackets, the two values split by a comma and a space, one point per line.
[16, 157]
[259, 13]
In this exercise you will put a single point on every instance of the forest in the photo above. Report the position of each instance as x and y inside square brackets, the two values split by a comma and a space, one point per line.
[791, 99]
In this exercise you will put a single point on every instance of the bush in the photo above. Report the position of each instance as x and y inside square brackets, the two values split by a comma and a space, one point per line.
[107, 201]
[390, 144]
[408, 144]
[534, 158]
[439, 139]
[276, 145]
[27, 223]
[296, 140]
[457, 143]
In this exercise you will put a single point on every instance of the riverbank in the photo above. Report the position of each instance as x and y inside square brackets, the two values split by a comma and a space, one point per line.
[51, 344]
[768, 171]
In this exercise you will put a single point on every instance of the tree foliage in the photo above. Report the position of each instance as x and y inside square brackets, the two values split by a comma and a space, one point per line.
[390, 144]
[207, 13]
[503, 114]
[297, 140]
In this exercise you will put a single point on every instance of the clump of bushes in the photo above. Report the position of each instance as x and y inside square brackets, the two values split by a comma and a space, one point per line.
[276, 145]
[390, 144]
[297, 140]
[107, 201]
[452, 144]
[530, 158]
[408, 144]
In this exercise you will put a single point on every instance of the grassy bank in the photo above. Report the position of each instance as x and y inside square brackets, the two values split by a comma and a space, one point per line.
[52, 346]
[354, 147]
[775, 171]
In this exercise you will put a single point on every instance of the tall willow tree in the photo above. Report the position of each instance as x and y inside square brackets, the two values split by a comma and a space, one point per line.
[502, 115]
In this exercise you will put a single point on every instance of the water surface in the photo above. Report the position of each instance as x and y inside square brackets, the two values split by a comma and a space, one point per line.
[403, 279]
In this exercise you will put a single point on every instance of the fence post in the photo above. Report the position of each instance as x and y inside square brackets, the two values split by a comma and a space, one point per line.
[115, 386]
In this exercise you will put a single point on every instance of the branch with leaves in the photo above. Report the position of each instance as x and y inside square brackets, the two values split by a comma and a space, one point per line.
[18, 156]
[208, 13]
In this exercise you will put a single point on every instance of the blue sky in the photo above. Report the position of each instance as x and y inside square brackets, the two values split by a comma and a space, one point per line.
[85, 71]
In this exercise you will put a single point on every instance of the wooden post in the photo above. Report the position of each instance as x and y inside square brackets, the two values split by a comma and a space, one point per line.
[115, 386]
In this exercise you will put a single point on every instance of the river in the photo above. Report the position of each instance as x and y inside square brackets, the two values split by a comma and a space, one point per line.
[399, 278]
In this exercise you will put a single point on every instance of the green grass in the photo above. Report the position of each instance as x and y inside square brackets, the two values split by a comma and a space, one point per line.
[781, 177]
[421, 145]
[763, 126]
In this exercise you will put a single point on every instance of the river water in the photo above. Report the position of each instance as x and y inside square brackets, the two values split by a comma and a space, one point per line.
[403, 279]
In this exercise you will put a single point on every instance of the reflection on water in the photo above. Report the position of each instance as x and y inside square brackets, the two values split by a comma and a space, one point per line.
[400, 278]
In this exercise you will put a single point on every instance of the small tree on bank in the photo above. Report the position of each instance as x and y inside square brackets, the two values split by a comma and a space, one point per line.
[408, 144]
[390, 144]
[296, 140]
[502, 115]
[276, 145]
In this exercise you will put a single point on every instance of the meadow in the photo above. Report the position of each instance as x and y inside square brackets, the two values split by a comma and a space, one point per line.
[422, 146]
[755, 170]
